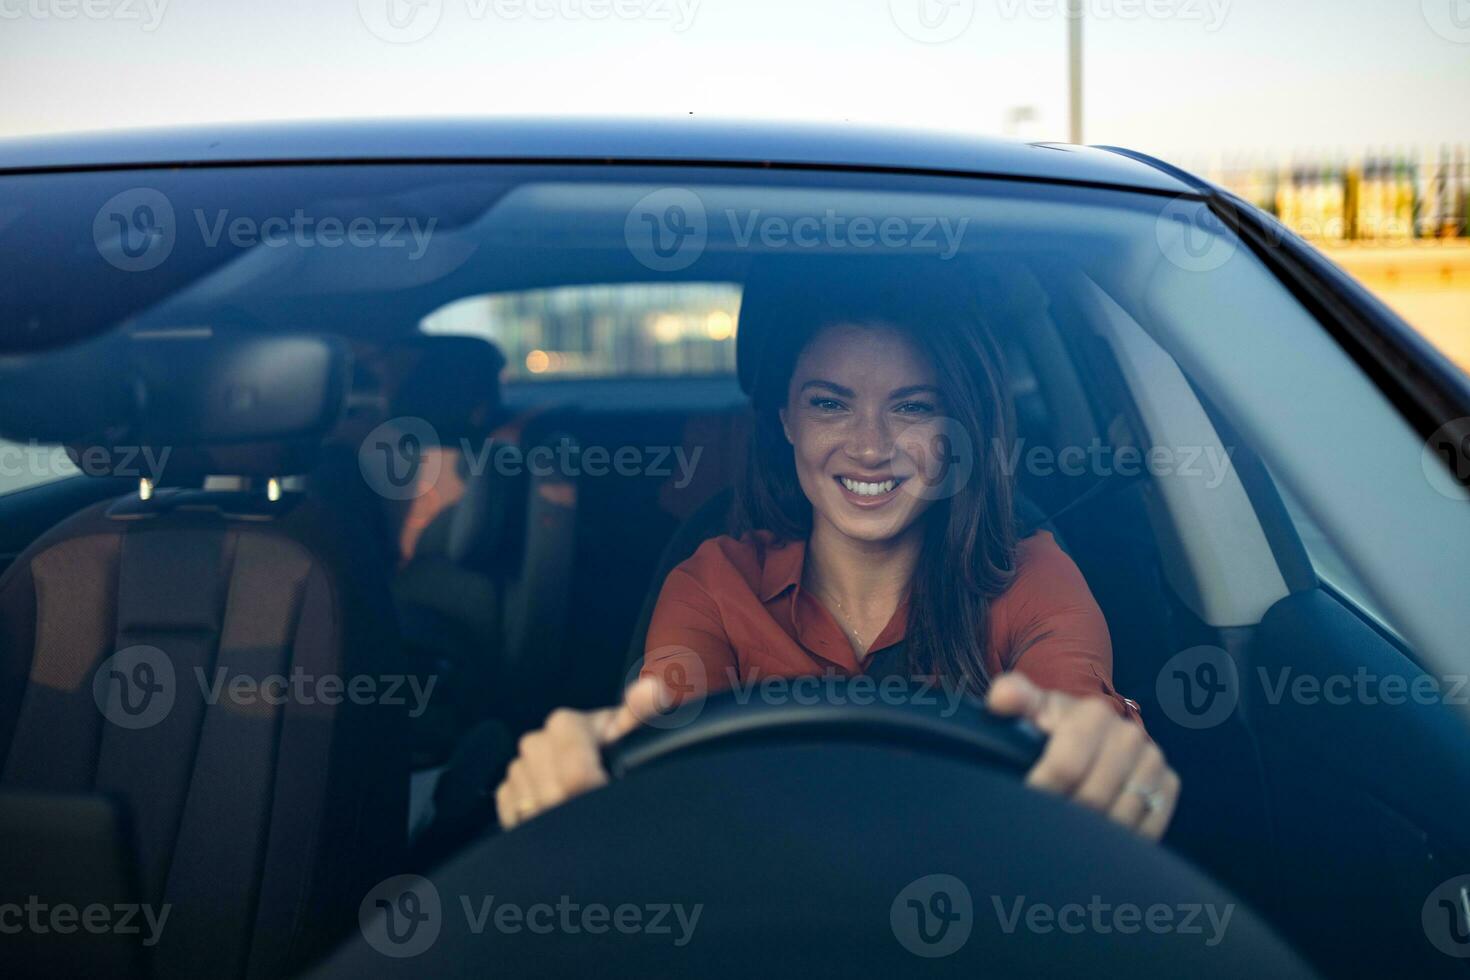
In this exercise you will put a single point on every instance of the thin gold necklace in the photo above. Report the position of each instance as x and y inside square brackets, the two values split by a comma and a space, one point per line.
[841, 621]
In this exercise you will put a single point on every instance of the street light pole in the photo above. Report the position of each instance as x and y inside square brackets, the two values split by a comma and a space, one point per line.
[1074, 70]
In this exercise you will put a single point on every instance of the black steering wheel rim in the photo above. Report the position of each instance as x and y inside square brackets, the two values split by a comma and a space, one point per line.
[798, 835]
[920, 718]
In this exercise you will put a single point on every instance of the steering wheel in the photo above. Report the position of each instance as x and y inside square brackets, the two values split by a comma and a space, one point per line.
[816, 836]
[912, 716]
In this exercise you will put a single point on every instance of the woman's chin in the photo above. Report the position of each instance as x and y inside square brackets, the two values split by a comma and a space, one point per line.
[873, 525]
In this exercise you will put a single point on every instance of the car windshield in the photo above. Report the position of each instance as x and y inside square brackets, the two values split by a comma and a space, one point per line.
[580, 274]
[538, 384]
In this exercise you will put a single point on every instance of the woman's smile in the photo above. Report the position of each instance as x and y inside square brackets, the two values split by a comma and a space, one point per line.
[868, 492]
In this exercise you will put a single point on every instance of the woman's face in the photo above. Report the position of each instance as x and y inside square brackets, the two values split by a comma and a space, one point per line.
[861, 415]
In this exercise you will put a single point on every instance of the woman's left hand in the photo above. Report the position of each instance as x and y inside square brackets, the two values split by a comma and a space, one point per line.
[1094, 755]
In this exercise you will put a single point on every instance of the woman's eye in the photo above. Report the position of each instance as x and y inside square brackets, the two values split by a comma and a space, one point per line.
[826, 404]
[914, 408]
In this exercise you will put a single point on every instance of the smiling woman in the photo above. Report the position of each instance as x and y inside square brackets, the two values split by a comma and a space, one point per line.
[872, 378]
[879, 539]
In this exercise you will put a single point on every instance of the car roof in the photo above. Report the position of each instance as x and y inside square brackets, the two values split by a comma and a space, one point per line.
[688, 140]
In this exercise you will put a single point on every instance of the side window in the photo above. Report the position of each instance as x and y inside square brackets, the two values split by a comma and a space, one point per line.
[24, 465]
[1331, 568]
[607, 330]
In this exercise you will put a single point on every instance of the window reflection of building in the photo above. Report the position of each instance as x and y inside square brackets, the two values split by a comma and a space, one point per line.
[602, 330]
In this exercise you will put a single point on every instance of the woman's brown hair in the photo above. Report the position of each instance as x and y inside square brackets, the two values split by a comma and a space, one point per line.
[967, 558]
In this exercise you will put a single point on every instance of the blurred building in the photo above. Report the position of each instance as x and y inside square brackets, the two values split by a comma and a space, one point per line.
[592, 331]
[1377, 196]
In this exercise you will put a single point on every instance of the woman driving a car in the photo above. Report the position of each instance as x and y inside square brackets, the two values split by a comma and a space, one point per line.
[878, 536]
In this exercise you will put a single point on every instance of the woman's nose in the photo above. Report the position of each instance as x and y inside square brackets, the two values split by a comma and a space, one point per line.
[870, 443]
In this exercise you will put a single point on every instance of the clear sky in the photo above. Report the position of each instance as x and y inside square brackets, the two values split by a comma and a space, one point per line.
[1183, 78]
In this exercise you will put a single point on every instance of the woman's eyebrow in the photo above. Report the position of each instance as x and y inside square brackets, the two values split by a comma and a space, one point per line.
[913, 390]
[831, 386]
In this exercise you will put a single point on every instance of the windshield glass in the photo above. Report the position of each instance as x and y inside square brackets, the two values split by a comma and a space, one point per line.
[587, 273]
[548, 433]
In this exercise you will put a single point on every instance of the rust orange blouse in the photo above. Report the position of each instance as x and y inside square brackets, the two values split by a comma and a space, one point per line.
[738, 607]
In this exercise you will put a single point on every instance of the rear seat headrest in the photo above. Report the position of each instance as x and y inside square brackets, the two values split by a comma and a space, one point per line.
[175, 408]
[454, 385]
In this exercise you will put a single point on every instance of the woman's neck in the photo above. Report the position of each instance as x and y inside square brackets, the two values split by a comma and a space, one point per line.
[871, 576]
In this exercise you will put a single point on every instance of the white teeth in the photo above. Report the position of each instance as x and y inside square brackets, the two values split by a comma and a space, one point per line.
[868, 489]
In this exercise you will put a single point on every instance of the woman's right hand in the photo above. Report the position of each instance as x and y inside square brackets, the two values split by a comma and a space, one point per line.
[563, 758]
